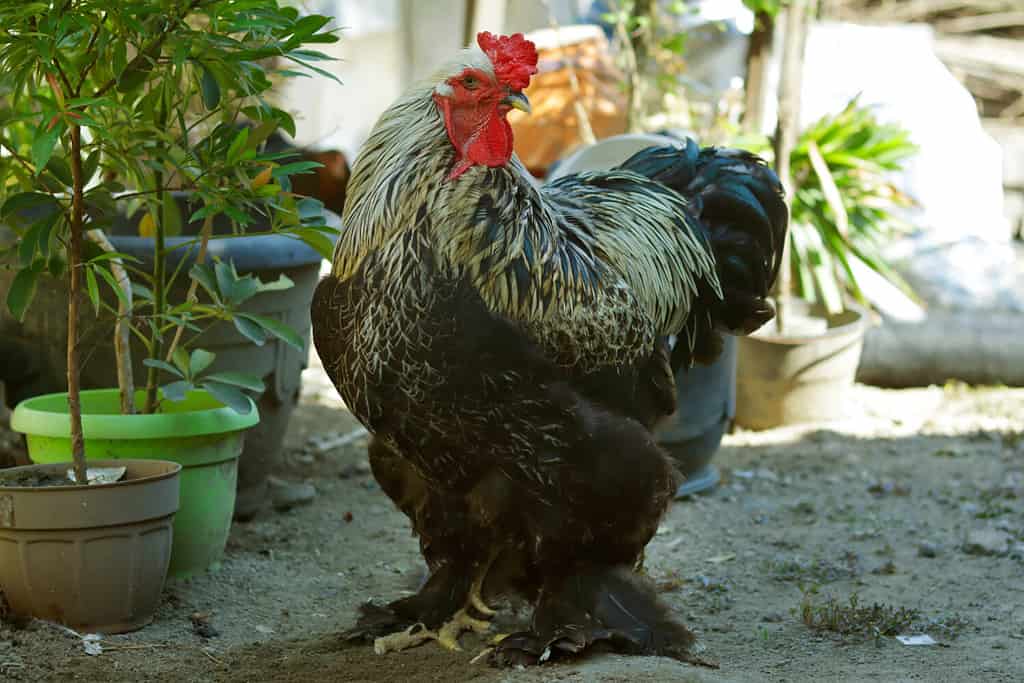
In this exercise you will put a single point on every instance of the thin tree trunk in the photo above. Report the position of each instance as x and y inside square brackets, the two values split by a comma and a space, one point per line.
[122, 328]
[74, 297]
[159, 286]
[787, 132]
[758, 52]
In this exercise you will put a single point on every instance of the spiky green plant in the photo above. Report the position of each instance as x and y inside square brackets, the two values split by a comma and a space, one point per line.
[845, 207]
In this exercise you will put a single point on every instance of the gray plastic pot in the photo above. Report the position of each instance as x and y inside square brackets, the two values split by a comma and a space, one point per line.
[706, 397]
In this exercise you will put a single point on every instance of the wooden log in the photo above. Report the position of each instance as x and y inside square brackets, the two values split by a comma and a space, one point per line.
[978, 347]
[981, 22]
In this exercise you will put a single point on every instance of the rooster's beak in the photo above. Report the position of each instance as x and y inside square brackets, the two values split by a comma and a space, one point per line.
[517, 100]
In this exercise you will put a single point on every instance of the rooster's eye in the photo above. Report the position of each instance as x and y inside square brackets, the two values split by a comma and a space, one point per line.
[470, 82]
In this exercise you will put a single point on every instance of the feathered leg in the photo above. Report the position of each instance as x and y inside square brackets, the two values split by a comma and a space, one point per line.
[609, 490]
[456, 546]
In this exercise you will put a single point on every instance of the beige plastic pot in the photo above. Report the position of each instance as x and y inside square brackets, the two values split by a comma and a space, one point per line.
[91, 557]
[784, 380]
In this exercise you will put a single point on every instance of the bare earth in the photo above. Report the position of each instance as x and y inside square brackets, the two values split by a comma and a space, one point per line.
[916, 502]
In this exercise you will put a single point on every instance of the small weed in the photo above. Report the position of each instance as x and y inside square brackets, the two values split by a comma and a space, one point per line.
[816, 571]
[804, 507]
[886, 569]
[886, 550]
[1011, 440]
[947, 628]
[853, 619]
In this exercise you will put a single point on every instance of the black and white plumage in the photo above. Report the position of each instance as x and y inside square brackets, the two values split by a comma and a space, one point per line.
[507, 346]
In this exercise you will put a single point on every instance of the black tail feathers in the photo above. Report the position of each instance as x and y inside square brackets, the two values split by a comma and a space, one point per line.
[741, 207]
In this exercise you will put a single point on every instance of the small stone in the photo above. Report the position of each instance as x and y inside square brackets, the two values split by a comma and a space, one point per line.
[969, 508]
[354, 470]
[201, 625]
[987, 542]
[286, 495]
[926, 549]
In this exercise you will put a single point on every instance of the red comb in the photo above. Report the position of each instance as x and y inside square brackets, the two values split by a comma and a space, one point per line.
[514, 57]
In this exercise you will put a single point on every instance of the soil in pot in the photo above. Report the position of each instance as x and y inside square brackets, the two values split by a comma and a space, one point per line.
[92, 557]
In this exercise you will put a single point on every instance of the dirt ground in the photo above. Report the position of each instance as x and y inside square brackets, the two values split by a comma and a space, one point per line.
[916, 502]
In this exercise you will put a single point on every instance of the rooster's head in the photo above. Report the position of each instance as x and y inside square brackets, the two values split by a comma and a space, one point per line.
[475, 99]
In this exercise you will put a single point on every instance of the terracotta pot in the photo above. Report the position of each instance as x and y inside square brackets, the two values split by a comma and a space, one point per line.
[91, 557]
[784, 379]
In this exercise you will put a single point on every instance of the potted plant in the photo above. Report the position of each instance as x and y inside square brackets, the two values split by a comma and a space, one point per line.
[128, 116]
[801, 367]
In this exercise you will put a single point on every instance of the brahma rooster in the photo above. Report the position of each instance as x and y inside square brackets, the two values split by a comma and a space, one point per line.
[511, 347]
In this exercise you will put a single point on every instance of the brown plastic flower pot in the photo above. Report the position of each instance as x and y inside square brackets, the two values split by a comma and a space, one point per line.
[784, 380]
[91, 557]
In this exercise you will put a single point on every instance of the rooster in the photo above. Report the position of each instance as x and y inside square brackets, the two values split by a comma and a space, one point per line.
[510, 349]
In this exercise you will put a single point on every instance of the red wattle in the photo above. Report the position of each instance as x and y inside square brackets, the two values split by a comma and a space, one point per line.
[476, 144]
[492, 145]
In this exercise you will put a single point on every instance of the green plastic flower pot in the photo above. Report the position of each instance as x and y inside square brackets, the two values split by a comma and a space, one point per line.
[199, 433]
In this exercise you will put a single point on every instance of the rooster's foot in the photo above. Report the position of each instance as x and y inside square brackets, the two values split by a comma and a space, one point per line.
[447, 636]
[417, 634]
[461, 622]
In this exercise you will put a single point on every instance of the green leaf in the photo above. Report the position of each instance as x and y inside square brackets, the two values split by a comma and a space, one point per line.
[111, 255]
[37, 239]
[237, 146]
[250, 330]
[176, 391]
[135, 74]
[59, 168]
[226, 276]
[93, 290]
[276, 328]
[307, 26]
[311, 208]
[90, 165]
[23, 289]
[210, 89]
[55, 266]
[285, 120]
[102, 271]
[238, 379]
[181, 360]
[142, 292]
[42, 146]
[261, 133]
[316, 239]
[282, 283]
[199, 361]
[295, 168]
[28, 200]
[229, 396]
[171, 216]
[203, 274]
[160, 365]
